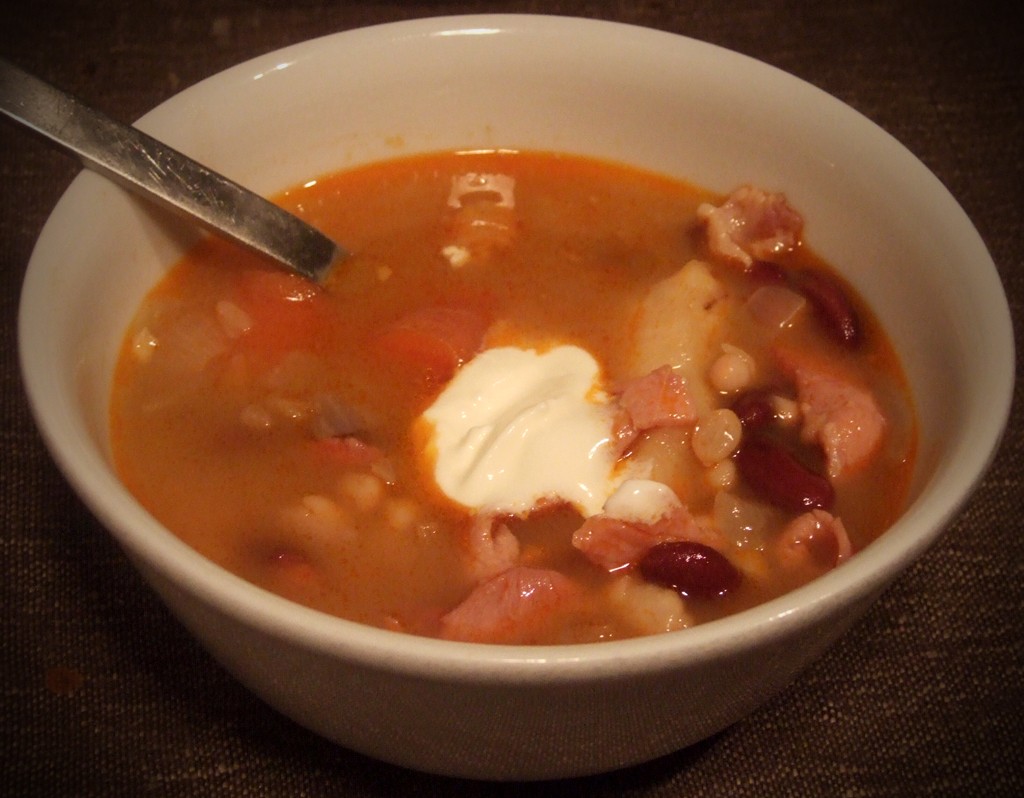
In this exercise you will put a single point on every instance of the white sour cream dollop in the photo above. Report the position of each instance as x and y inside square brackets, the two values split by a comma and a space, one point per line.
[642, 501]
[516, 426]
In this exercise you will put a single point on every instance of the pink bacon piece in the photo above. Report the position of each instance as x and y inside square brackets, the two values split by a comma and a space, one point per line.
[612, 543]
[492, 547]
[346, 450]
[815, 540]
[510, 607]
[838, 412]
[658, 399]
[752, 224]
[840, 416]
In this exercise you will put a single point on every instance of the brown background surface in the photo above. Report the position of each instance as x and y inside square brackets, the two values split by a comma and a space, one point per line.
[102, 693]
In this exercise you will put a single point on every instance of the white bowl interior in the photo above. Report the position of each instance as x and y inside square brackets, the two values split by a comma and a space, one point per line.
[652, 99]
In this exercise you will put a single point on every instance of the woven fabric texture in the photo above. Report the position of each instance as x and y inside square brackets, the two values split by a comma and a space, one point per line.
[103, 693]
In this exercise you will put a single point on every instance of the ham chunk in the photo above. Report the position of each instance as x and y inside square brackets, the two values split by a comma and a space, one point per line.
[842, 417]
[492, 547]
[346, 450]
[658, 399]
[612, 543]
[512, 607]
[815, 541]
[752, 224]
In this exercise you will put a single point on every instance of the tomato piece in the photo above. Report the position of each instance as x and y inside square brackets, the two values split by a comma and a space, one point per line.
[435, 341]
[287, 311]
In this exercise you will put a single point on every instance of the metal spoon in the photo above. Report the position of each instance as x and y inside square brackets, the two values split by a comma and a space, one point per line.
[148, 167]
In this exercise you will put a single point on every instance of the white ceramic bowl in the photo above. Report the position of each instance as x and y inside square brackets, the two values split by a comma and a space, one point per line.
[635, 95]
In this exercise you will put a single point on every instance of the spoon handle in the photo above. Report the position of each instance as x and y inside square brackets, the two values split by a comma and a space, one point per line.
[148, 167]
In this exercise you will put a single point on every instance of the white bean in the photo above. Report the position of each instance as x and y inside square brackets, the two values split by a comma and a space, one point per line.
[786, 410]
[732, 371]
[400, 513]
[364, 490]
[716, 436]
[234, 321]
[256, 417]
[318, 517]
[722, 475]
[287, 408]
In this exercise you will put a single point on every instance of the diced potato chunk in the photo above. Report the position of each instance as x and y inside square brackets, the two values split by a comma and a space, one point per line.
[679, 323]
[649, 608]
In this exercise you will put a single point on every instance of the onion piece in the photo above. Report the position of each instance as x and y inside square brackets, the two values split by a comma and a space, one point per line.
[775, 306]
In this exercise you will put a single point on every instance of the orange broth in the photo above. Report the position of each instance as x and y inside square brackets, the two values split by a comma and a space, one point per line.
[272, 424]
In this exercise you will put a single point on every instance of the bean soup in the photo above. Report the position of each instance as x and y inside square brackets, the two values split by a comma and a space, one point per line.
[548, 399]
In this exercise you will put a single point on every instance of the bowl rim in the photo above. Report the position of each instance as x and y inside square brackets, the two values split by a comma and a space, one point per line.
[143, 537]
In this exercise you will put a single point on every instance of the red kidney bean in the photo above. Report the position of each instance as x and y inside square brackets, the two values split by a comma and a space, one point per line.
[695, 570]
[833, 306]
[779, 478]
[764, 271]
[754, 410]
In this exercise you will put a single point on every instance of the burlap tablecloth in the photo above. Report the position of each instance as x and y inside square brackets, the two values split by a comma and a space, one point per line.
[102, 693]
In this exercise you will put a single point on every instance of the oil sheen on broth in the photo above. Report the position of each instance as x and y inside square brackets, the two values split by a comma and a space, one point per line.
[549, 400]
